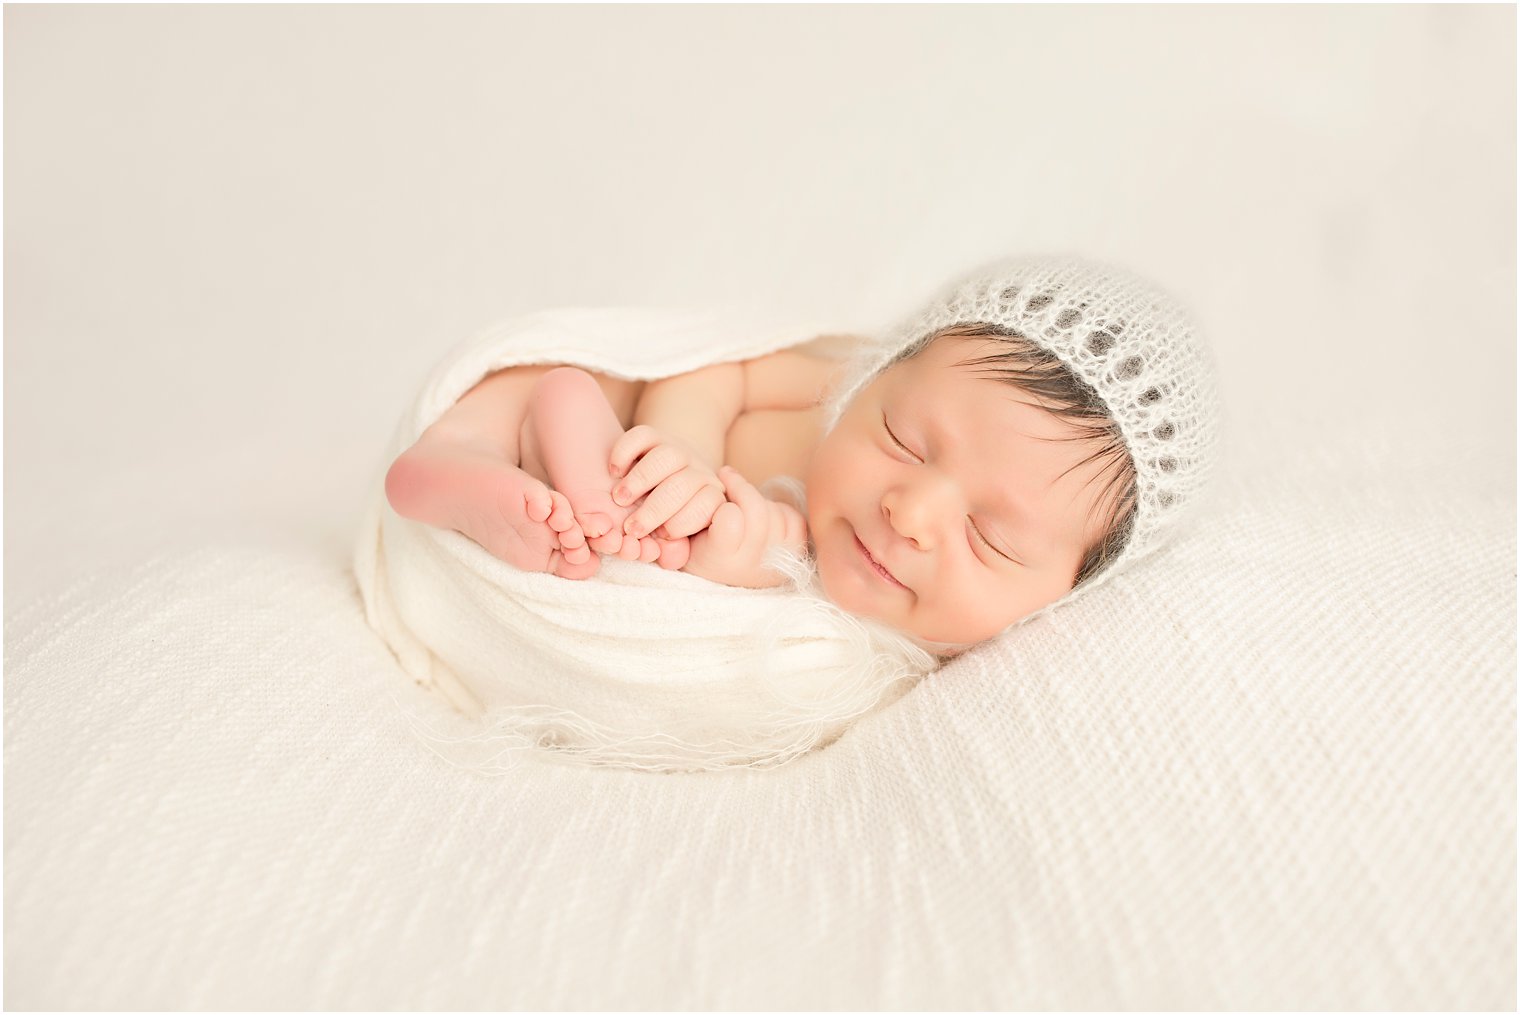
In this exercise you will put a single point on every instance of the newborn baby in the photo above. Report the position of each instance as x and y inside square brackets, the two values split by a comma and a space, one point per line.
[956, 481]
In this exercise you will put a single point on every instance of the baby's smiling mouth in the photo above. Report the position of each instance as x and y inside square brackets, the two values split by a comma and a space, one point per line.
[876, 565]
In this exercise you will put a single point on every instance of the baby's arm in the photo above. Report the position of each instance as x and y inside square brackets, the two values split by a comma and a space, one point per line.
[732, 549]
[695, 408]
[682, 432]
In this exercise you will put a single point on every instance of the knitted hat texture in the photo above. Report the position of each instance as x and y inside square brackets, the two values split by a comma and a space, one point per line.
[1129, 341]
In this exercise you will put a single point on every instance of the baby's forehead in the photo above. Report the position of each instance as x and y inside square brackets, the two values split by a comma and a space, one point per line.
[955, 380]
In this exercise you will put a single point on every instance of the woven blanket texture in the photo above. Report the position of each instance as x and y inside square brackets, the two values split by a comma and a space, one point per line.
[1291, 787]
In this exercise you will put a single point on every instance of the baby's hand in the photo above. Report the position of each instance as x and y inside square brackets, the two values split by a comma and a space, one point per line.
[683, 493]
[732, 549]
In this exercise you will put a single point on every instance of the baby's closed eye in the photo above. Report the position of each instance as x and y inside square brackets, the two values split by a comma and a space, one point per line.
[895, 439]
[987, 542]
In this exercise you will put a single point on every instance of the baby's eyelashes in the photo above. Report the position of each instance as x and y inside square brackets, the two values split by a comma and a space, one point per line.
[888, 427]
[978, 536]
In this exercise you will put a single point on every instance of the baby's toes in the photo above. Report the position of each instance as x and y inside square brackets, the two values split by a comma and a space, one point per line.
[572, 538]
[577, 570]
[561, 517]
[674, 553]
[609, 542]
[649, 550]
[595, 524]
[538, 501]
[629, 550]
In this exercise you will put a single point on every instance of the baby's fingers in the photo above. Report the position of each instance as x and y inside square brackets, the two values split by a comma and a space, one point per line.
[695, 516]
[726, 533]
[657, 466]
[668, 499]
[751, 502]
[743, 493]
[630, 447]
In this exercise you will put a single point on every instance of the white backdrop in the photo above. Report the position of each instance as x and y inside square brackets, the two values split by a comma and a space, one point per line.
[1274, 769]
[236, 237]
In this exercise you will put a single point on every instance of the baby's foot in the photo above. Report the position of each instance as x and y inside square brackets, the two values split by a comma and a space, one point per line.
[569, 436]
[515, 517]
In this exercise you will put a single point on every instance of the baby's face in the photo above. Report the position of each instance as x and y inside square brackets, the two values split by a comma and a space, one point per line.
[976, 458]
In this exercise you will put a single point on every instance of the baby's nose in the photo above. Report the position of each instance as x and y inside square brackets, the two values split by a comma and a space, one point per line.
[916, 512]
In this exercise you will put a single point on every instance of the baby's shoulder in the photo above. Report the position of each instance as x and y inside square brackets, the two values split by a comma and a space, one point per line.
[799, 377]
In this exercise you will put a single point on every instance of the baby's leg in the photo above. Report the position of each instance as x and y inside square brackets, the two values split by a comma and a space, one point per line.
[568, 438]
[463, 474]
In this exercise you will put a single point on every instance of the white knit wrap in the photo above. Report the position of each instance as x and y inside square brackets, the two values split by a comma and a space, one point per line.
[636, 667]
[1129, 341]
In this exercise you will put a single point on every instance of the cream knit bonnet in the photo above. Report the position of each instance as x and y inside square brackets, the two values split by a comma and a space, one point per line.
[1130, 342]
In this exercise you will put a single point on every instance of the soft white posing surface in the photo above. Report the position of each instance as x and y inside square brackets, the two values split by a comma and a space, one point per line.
[1288, 788]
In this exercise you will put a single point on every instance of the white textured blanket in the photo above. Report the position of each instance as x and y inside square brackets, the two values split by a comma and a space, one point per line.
[1293, 790]
[637, 666]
